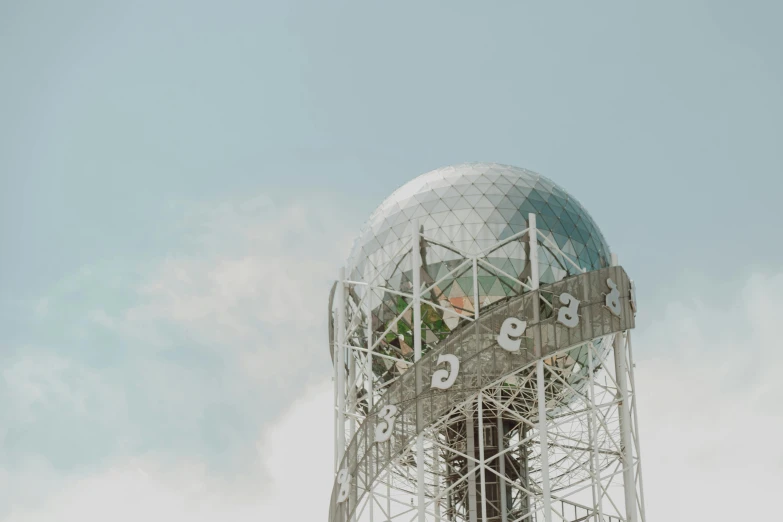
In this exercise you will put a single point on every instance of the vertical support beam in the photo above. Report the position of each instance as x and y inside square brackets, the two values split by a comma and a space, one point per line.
[416, 280]
[482, 465]
[593, 476]
[420, 476]
[636, 427]
[476, 303]
[436, 466]
[416, 276]
[540, 382]
[335, 402]
[369, 389]
[593, 437]
[593, 424]
[340, 351]
[473, 509]
[522, 458]
[621, 371]
[532, 234]
[351, 410]
[629, 484]
[470, 439]
[544, 443]
[352, 396]
[450, 509]
[501, 462]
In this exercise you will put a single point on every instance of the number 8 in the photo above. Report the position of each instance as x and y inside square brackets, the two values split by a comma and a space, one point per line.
[344, 479]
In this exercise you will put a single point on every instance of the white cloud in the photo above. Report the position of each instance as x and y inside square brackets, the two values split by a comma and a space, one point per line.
[295, 457]
[255, 287]
[214, 341]
[298, 455]
[710, 398]
[37, 384]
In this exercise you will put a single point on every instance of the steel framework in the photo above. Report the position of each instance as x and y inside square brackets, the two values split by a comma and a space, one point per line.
[540, 426]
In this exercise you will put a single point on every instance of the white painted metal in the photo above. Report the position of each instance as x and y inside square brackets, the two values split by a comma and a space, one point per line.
[416, 276]
[476, 303]
[351, 412]
[482, 466]
[416, 269]
[533, 238]
[340, 358]
[502, 465]
[543, 440]
[437, 477]
[608, 413]
[368, 377]
[593, 438]
[369, 388]
[629, 484]
[621, 373]
[335, 402]
[540, 380]
[472, 511]
[631, 367]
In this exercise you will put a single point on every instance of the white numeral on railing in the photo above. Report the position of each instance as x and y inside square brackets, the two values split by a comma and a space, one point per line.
[510, 337]
[568, 314]
[383, 429]
[443, 379]
[613, 298]
[344, 479]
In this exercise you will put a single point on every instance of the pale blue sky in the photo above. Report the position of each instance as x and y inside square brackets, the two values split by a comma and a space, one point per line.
[169, 170]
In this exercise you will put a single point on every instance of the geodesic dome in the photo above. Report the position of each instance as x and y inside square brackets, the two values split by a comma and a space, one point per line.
[463, 210]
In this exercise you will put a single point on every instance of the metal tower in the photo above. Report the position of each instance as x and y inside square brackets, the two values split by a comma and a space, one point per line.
[482, 359]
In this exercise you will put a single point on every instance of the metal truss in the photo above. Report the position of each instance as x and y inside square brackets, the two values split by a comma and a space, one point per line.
[547, 433]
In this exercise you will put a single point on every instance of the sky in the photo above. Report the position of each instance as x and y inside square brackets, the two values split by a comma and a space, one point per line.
[180, 181]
